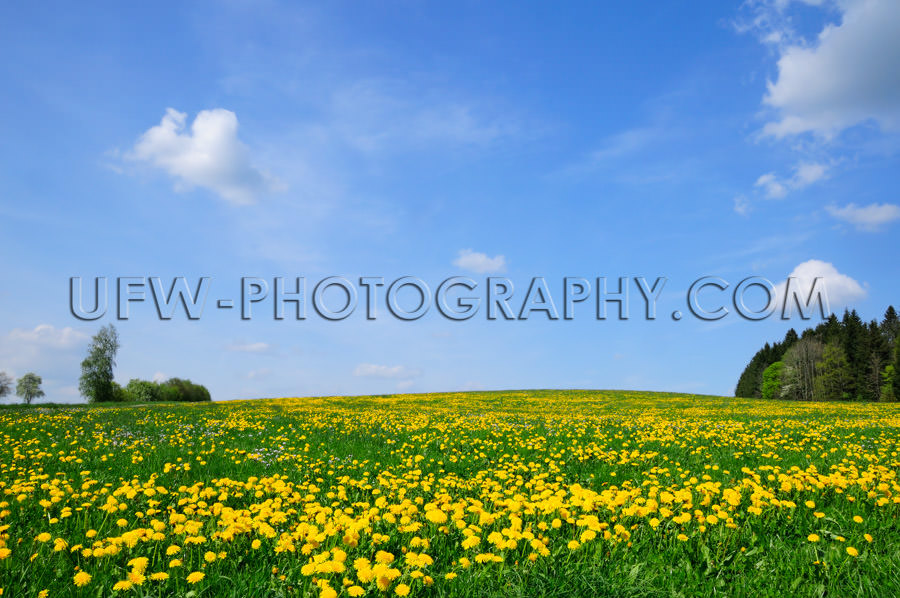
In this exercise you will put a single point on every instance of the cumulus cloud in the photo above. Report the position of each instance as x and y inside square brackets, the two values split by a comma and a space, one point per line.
[397, 372]
[841, 290]
[480, 262]
[46, 335]
[848, 75]
[866, 218]
[258, 347]
[805, 174]
[209, 155]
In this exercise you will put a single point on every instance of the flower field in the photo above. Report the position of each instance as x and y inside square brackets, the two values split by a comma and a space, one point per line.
[539, 493]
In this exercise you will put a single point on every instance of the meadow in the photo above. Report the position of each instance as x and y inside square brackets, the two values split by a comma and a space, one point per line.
[530, 493]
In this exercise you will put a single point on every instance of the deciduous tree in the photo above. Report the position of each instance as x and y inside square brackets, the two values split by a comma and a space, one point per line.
[29, 387]
[96, 382]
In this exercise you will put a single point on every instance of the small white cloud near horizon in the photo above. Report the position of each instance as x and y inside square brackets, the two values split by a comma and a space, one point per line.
[159, 377]
[258, 347]
[805, 174]
[840, 289]
[210, 155]
[390, 372]
[46, 335]
[870, 218]
[846, 76]
[480, 263]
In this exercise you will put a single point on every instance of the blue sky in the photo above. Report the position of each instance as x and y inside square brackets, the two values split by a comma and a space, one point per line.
[733, 139]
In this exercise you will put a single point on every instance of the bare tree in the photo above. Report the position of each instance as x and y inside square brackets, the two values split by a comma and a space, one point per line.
[800, 369]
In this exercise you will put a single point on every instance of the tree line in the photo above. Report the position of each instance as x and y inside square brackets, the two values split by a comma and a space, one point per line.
[97, 384]
[28, 387]
[839, 360]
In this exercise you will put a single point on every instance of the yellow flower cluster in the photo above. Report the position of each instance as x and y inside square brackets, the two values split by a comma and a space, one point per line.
[367, 495]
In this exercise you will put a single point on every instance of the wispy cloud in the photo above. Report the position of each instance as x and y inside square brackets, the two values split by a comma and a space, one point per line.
[742, 205]
[377, 116]
[46, 335]
[870, 218]
[259, 374]
[393, 372]
[45, 349]
[805, 174]
[257, 347]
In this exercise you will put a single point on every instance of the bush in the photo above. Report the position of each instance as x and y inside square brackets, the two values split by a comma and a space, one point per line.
[172, 390]
[119, 394]
[142, 391]
[188, 391]
[168, 394]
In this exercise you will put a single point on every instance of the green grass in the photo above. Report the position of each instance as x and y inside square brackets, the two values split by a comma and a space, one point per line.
[303, 477]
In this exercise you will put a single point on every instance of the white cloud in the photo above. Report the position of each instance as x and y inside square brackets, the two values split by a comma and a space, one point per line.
[847, 76]
[480, 262]
[867, 218]
[773, 188]
[741, 205]
[160, 377]
[805, 174]
[841, 289]
[45, 335]
[399, 372]
[210, 155]
[808, 173]
[258, 347]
